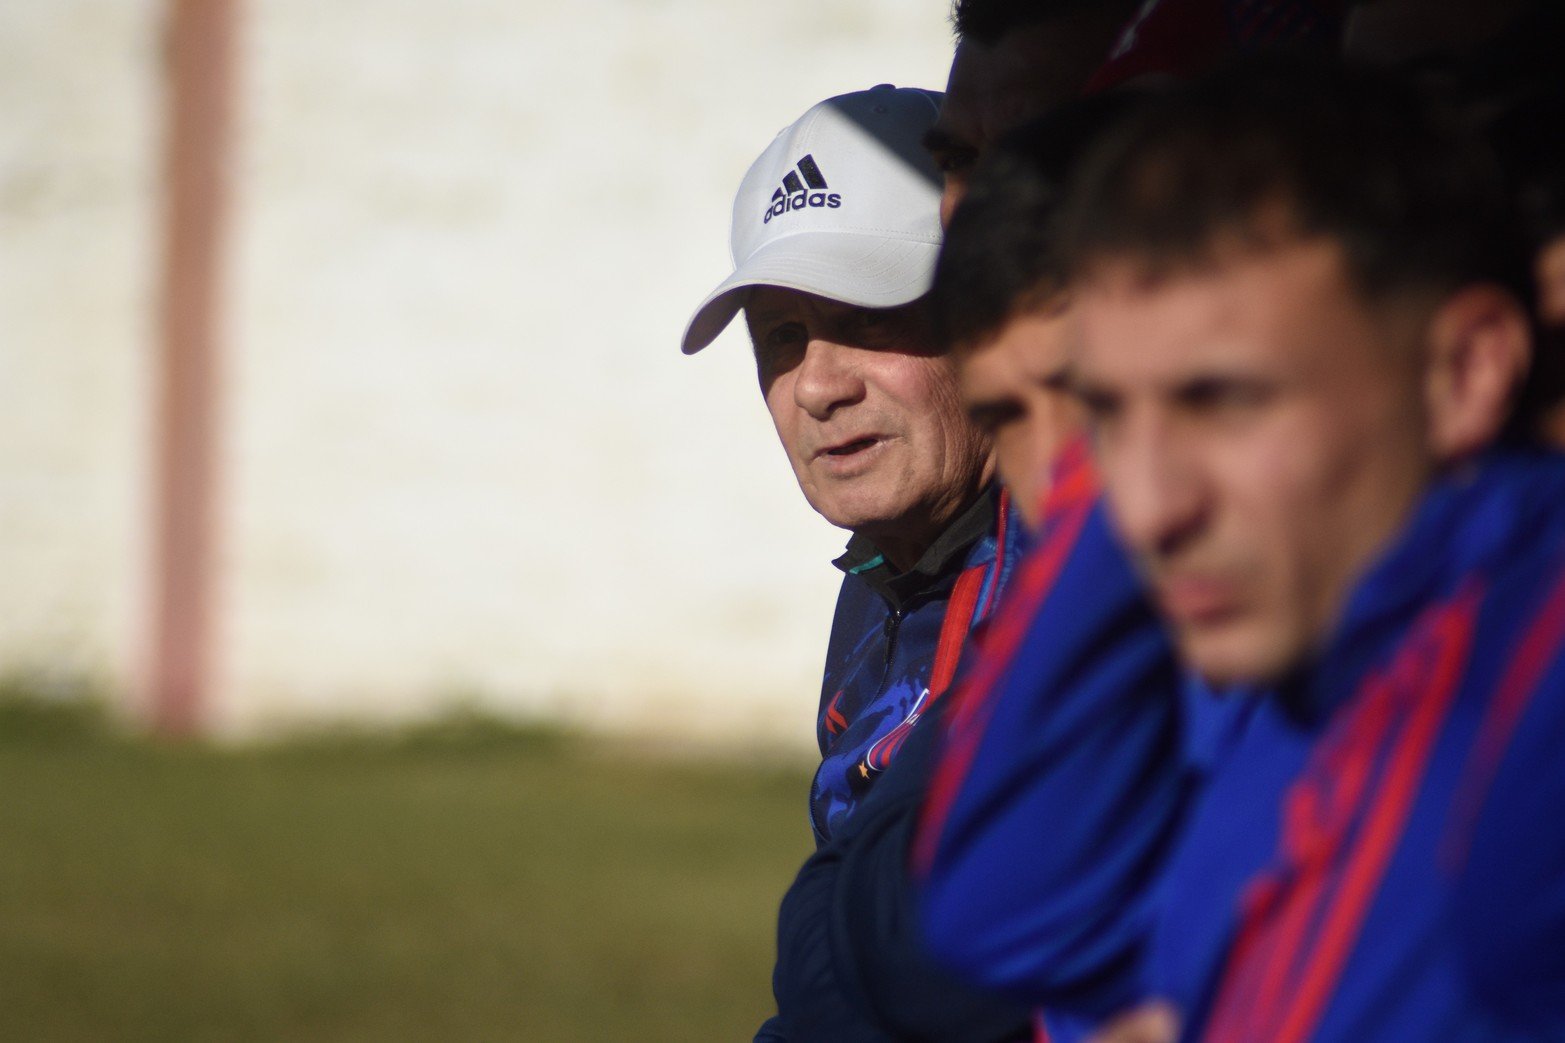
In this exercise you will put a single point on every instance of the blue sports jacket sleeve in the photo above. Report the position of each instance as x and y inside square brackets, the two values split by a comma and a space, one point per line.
[1379, 856]
[1510, 899]
[1063, 781]
[771, 1031]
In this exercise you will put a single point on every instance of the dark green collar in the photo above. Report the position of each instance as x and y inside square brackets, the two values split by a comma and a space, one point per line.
[938, 564]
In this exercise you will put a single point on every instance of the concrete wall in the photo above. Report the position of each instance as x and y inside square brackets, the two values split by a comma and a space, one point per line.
[79, 168]
[463, 457]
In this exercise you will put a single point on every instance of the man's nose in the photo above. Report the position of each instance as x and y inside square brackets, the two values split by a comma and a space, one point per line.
[828, 379]
[1024, 459]
[951, 193]
[1154, 486]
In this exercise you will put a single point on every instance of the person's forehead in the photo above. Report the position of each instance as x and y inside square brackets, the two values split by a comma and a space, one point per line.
[994, 88]
[1031, 346]
[1036, 341]
[986, 371]
[1273, 304]
[973, 76]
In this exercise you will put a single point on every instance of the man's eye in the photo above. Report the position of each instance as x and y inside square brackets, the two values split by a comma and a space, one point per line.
[783, 336]
[872, 327]
[990, 417]
[1223, 396]
[956, 161]
[779, 349]
[1057, 381]
[1100, 406]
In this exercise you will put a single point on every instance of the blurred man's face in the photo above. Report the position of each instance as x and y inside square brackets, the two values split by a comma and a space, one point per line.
[1015, 388]
[993, 89]
[1549, 272]
[1261, 435]
[869, 414]
[1549, 364]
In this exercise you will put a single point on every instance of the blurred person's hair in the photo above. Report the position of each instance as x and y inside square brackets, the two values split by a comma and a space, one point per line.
[1285, 148]
[1521, 60]
[1527, 138]
[1483, 50]
[1001, 254]
[988, 21]
[1531, 148]
[1540, 202]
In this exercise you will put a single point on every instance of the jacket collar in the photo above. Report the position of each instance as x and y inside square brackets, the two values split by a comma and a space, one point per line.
[936, 568]
[1467, 523]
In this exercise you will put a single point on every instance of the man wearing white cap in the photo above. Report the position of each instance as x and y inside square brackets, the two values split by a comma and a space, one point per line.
[835, 234]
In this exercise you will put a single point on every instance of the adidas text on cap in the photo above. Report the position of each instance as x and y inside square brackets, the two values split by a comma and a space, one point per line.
[843, 204]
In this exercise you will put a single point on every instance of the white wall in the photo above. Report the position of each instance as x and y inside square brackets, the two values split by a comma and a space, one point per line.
[464, 458]
[78, 181]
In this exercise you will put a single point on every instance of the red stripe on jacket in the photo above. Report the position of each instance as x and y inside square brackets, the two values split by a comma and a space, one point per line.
[1286, 962]
[1071, 497]
[1522, 678]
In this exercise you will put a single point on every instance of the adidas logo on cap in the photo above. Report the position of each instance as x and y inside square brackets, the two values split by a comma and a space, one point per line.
[796, 194]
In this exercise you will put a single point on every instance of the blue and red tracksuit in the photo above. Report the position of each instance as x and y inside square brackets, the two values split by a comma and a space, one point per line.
[851, 966]
[1070, 759]
[1381, 854]
[886, 638]
[1373, 851]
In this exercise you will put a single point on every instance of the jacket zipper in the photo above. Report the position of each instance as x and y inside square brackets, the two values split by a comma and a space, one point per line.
[893, 628]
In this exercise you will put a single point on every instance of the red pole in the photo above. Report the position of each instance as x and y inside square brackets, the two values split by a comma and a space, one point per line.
[200, 65]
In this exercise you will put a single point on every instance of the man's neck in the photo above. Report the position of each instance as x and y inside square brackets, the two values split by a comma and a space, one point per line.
[930, 554]
[903, 550]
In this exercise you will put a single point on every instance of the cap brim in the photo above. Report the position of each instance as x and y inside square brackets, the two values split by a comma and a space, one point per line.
[864, 270]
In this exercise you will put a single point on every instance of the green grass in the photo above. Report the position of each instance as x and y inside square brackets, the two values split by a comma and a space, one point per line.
[461, 883]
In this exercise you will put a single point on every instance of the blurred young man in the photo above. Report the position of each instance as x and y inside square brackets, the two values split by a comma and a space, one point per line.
[1298, 344]
[1063, 777]
[1075, 716]
[835, 234]
[1001, 303]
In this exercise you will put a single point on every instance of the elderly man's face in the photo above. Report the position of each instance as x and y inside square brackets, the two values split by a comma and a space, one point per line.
[869, 414]
[1015, 388]
[1261, 434]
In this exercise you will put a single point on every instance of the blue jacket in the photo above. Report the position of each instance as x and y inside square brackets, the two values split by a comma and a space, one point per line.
[851, 964]
[1372, 852]
[1381, 856]
[881, 658]
[1071, 757]
[850, 961]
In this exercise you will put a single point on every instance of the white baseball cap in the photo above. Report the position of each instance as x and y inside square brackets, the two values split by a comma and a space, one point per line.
[844, 204]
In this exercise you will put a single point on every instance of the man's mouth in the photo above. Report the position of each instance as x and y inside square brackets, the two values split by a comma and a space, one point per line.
[1197, 601]
[849, 448]
[851, 457]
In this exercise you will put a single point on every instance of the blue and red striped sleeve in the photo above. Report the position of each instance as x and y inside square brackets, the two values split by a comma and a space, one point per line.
[1061, 782]
[1508, 846]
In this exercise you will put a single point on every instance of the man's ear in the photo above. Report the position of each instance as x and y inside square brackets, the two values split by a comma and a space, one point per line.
[1480, 345]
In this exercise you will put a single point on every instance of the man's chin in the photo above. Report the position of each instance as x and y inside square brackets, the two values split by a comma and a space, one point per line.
[859, 506]
[1235, 654]
[891, 530]
[869, 522]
